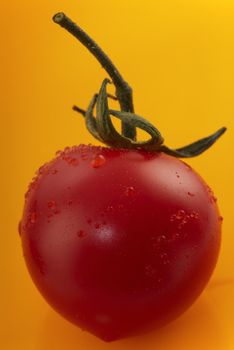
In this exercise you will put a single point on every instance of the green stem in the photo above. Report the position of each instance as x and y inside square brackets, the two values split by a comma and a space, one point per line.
[123, 90]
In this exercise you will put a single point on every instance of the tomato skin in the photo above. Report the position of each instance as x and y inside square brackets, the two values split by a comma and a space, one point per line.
[119, 241]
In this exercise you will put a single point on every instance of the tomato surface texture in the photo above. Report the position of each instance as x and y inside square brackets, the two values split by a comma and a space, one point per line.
[119, 241]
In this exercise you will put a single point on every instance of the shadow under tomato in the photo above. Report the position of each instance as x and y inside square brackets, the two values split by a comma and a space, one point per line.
[197, 328]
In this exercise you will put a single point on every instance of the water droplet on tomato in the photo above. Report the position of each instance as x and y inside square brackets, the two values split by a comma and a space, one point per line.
[110, 208]
[81, 233]
[166, 261]
[161, 238]
[54, 171]
[73, 161]
[181, 217]
[33, 183]
[212, 197]
[150, 271]
[66, 158]
[98, 161]
[43, 169]
[51, 204]
[84, 156]
[129, 191]
[164, 258]
[33, 217]
[172, 218]
[31, 186]
[180, 214]
[194, 215]
[191, 194]
[175, 236]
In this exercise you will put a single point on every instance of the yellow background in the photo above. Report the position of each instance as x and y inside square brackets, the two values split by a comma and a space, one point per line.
[179, 57]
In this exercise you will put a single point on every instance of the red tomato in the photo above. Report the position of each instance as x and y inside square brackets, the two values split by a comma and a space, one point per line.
[119, 241]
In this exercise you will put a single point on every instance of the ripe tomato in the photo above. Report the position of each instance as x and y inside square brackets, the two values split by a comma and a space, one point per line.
[118, 241]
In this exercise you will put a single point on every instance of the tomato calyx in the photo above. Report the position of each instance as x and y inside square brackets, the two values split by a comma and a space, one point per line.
[103, 129]
[101, 126]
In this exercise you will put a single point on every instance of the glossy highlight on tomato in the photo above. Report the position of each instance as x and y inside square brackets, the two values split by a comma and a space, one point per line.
[119, 241]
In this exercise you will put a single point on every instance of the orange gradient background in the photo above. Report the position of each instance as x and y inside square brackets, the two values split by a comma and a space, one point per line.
[179, 57]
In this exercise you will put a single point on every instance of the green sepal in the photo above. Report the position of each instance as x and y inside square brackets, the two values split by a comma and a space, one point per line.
[141, 123]
[195, 148]
[90, 121]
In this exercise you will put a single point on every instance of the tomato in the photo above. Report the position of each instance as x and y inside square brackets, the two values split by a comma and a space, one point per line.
[119, 241]
[122, 239]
